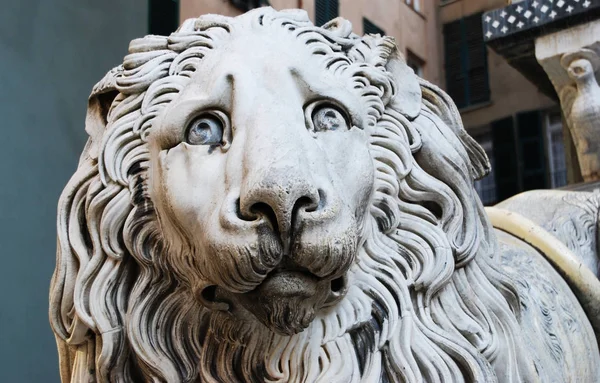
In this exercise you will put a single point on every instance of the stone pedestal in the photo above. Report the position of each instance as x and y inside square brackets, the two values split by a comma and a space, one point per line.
[571, 60]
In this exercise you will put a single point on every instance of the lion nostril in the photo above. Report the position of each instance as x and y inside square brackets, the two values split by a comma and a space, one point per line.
[304, 202]
[238, 212]
[264, 210]
[246, 217]
[310, 203]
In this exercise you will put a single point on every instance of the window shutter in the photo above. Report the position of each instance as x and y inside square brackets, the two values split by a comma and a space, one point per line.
[163, 17]
[455, 78]
[531, 150]
[466, 61]
[505, 158]
[476, 52]
[325, 10]
[371, 28]
[246, 5]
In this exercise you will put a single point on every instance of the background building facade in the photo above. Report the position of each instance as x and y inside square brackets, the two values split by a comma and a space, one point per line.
[519, 127]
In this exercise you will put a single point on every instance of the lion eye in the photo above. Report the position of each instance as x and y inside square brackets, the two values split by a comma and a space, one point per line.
[328, 117]
[205, 130]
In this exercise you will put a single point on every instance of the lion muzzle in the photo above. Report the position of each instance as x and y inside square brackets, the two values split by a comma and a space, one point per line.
[288, 301]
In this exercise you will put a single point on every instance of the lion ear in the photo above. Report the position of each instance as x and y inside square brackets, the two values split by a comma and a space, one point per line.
[440, 103]
[99, 102]
[407, 97]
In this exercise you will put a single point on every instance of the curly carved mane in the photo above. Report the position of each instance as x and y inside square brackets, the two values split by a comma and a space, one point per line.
[426, 302]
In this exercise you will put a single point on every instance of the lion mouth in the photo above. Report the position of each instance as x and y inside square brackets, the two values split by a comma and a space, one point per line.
[288, 300]
[288, 283]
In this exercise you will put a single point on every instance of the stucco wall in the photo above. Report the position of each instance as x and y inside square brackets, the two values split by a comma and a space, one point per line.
[52, 54]
[412, 30]
[510, 93]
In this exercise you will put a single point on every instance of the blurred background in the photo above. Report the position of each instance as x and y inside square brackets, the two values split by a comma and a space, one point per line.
[53, 52]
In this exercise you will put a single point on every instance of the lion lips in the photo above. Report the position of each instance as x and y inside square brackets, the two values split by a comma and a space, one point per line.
[287, 301]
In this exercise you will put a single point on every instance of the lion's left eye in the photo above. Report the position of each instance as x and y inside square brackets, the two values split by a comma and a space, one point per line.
[328, 117]
[205, 130]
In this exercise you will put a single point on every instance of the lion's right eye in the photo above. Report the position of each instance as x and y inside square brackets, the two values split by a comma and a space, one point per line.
[324, 115]
[328, 117]
[206, 129]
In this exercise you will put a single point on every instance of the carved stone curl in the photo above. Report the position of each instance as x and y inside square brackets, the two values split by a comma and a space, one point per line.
[263, 200]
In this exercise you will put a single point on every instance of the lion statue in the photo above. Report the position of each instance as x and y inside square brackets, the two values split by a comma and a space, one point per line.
[264, 200]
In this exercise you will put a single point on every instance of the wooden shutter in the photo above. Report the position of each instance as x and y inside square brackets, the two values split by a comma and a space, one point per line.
[455, 73]
[246, 5]
[466, 61]
[505, 158]
[476, 52]
[531, 150]
[370, 27]
[325, 10]
[163, 17]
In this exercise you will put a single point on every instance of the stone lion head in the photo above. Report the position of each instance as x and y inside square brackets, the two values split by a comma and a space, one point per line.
[261, 199]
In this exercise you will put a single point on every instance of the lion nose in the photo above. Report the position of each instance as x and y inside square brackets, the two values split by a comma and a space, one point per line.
[279, 199]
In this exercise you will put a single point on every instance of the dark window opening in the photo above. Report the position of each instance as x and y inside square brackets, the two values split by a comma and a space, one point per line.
[246, 5]
[527, 153]
[370, 28]
[163, 17]
[325, 10]
[486, 187]
[415, 62]
[557, 162]
[466, 68]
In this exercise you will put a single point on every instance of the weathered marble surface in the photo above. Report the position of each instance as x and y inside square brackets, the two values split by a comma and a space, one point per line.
[572, 217]
[264, 200]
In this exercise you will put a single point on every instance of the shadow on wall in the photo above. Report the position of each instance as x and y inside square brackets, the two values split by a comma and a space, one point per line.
[53, 52]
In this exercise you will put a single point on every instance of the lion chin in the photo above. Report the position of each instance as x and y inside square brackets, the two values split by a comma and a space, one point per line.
[262, 199]
[286, 302]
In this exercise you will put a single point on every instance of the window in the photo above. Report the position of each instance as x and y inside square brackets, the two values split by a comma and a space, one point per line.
[532, 154]
[326, 10]
[506, 171]
[369, 27]
[414, 4]
[556, 150]
[163, 17]
[486, 187]
[246, 5]
[413, 61]
[466, 62]
[521, 159]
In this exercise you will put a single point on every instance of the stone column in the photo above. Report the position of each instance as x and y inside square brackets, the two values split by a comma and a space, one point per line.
[571, 59]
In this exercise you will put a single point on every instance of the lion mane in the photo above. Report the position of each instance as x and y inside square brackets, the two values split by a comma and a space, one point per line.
[426, 302]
